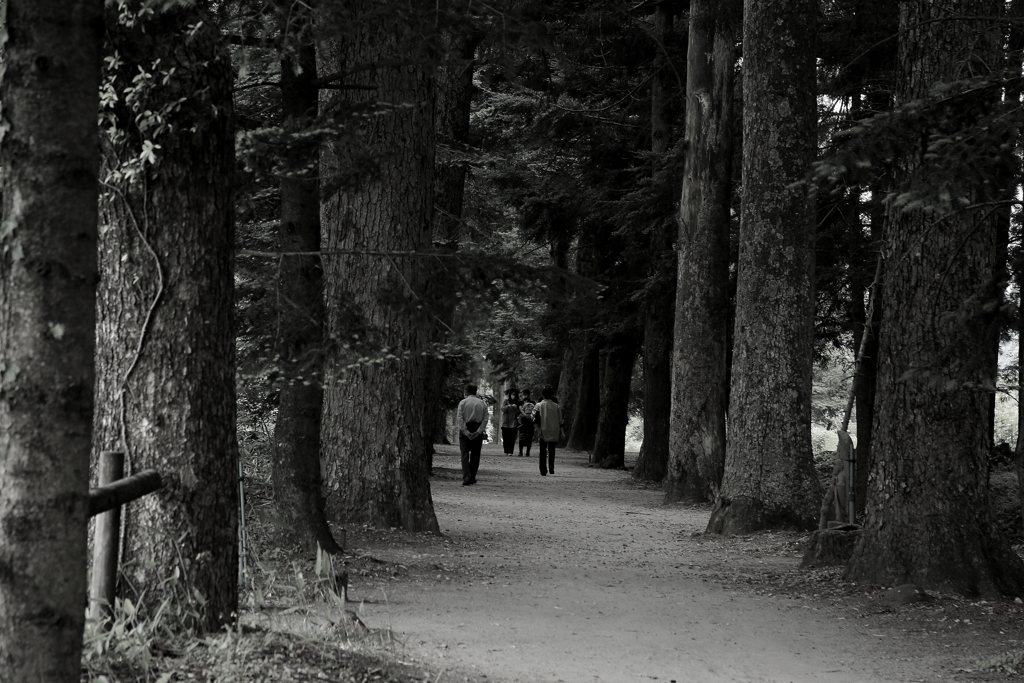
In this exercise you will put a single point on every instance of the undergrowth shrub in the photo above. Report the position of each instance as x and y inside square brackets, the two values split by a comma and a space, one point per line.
[124, 646]
[138, 646]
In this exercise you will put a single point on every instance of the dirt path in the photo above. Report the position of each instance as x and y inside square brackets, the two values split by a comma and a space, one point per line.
[585, 576]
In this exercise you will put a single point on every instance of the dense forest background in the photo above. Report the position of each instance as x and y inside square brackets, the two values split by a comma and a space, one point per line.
[740, 225]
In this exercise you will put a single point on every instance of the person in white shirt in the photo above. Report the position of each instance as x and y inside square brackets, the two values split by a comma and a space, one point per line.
[471, 418]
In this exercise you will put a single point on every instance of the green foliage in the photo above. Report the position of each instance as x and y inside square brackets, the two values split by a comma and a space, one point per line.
[151, 94]
[830, 389]
[564, 139]
[955, 138]
[953, 150]
[857, 43]
[517, 347]
[268, 150]
[1005, 430]
[478, 276]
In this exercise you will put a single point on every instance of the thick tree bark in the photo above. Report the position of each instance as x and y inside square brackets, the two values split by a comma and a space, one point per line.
[557, 295]
[165, 353]
[1015, 56]
[652, 463]
[769, 478]
[928, 519]
[452, 108]
[700, 370]
[1019, 450]
[569, 384]
[867, 369]
[295, 468]
[1020, 480]
[48, 162]
[618, 359]
[1001, 276]
[588, 401]
[373, 422]
[864, 384]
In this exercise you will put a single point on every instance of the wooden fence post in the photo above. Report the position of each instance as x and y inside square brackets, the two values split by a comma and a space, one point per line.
[105, 544]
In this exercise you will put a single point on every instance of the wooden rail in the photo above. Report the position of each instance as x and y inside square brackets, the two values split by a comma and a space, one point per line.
[106, 501]
[123, 491]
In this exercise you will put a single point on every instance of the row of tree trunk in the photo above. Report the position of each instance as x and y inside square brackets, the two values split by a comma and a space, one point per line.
[157, 328]
[924, 427]
[927, 440]
[164, 338]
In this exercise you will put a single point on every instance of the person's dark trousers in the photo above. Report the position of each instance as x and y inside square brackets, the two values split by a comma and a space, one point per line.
[470, 457]
[547, 457]
[525, 439]
[470, 449]
[508, 439]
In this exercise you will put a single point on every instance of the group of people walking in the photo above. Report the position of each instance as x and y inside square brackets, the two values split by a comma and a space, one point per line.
[517, 420]
[520, 418]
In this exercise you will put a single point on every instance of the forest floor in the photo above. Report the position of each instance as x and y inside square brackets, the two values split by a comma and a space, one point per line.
[585, 576]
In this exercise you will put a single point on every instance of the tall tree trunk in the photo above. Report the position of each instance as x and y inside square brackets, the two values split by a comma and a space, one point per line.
[867, 368]
[652, 463]
[1015, 57]
[557, 294]
[928, 519]
[1019, 450]
[295, 468]
[569, 384]
[769, 478]
[452, 108]
[700, 370]
[48, 162]
[165, 350]
[1008, 183]
[584, 393]
[864, 389]
[373, 422]
[588, 401]
[618, 360]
